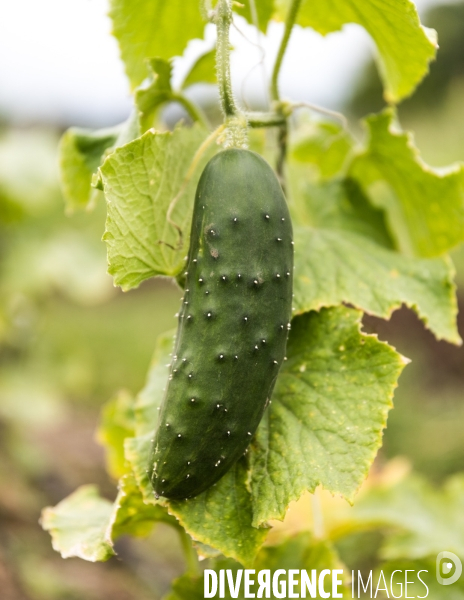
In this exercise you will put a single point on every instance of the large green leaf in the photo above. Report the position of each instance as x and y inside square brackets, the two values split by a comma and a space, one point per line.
[332, 267]
[324, 425]
[78, 525]
[405, 48]
[425, 206]
[343, 253]
[338, 205]
[153, 28]
[141, 180]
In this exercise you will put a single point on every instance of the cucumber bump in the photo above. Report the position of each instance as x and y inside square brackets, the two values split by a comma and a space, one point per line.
[233, 324]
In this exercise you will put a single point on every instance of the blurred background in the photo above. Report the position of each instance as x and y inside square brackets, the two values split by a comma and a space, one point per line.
[69, 341]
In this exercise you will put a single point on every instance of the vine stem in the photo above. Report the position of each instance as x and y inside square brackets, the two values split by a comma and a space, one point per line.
[275, 95]
[265, 119]
[289, 23]
[190, 554]
[223, 22]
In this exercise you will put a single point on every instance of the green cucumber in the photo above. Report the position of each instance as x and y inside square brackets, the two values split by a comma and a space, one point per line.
[233, 324]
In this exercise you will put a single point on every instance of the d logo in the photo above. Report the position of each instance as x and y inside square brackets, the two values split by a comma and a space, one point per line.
[446, 562]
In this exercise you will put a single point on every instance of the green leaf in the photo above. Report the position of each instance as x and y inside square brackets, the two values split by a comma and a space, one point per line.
[324, 145]
[424, 206]
[203, 70]
[150, 97]
[153, 28]
[81, 153]
[332, 267]
[426, 521]
[141, 180]
[338, 205]
[116, 425]
[404, 47]
[131, 516]
[221, 517]
[264, 12]
[343, 253]
[329, 407]
[78, 525]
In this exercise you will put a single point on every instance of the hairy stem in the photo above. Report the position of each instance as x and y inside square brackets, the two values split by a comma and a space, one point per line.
[223, 23]
[289, 23]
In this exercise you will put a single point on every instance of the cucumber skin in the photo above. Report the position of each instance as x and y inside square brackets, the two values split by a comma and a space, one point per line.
[233, 325]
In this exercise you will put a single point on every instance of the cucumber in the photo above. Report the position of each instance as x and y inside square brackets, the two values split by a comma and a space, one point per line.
[233, 324]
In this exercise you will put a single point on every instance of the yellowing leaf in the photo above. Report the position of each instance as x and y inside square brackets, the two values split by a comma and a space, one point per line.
[78, 525]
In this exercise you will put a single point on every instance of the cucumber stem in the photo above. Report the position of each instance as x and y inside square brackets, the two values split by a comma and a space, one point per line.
[223, 22]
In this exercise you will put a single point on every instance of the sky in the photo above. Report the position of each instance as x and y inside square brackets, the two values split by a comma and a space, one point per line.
[60, 65]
